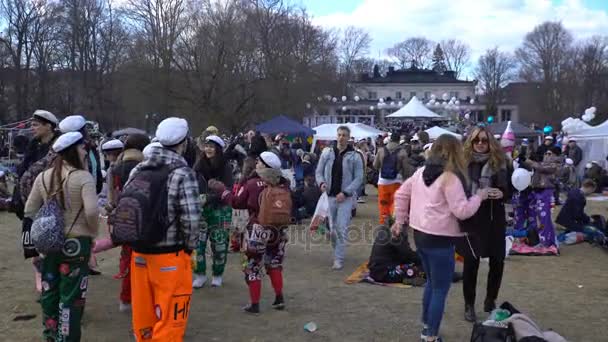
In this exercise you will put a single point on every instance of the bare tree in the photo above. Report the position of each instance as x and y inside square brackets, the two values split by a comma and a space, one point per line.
[494, 71]
[543, 56]
[457, 55]
[416, 51]
[354, 45]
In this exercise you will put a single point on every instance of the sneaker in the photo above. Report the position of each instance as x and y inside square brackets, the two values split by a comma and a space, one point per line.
[253, 309]
[360, 200]
[424, 334]
[279, 303]
[124, 307]
[94, 272]
[199, 281]
[469, 313]
[216, 281]
[338, 265]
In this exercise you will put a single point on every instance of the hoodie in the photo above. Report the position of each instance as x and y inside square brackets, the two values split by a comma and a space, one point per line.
[433, 200]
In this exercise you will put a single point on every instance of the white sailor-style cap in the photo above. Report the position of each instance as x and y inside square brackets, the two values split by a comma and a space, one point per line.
[113, 144]
[66, 140]
[45, 116]
[72, 123]
[271, 160]
[172, 131]
[216, 139]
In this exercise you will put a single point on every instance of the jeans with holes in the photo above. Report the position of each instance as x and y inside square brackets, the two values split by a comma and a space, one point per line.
[438, 264]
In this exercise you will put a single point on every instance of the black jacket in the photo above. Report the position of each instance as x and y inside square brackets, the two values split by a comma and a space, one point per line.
[389, 252]
[572, 215]
[35, 151]
[489, 240]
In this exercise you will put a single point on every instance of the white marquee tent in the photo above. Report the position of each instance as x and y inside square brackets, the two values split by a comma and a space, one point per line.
[434, 132]
[357, 131]
[594, 143]
[414, 109]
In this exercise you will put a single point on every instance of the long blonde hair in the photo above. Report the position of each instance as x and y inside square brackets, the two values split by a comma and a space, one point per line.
[497, 156]
[449, 149]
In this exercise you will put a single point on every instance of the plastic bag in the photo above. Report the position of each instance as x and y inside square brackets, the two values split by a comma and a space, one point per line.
[321, 212]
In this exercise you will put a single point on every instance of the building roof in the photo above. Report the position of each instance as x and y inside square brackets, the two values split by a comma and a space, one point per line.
[412, 75]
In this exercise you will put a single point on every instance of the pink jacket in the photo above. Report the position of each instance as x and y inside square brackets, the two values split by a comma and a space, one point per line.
[434, 209]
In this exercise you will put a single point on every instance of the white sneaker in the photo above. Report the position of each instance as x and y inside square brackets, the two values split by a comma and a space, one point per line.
[199, 281]
[124, 307]
[338, 265]
[360, 200]
[216, 281]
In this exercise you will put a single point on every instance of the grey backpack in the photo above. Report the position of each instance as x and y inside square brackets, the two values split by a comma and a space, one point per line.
[47, 233]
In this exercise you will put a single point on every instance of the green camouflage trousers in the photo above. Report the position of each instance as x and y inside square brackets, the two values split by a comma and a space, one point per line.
[215, 229]
[64, 289]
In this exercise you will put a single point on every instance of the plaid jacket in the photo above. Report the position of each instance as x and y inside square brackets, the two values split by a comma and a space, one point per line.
[183, 201]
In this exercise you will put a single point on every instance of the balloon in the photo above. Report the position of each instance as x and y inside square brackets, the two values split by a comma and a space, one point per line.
[521, 179]
[433, 97]
[343, 98]
[445, 96]
[400, 104]
[381, 100]
[344, 109]
[472, 101]
[547, 129]
[393, 103]
[334, 100]
[490, 119]
[457, 102]
[308, 105]
[357, 98]
[371, 107]
[467, 116]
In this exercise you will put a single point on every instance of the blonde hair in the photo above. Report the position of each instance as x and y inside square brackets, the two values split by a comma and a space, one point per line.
[497, 156]
[449, 149]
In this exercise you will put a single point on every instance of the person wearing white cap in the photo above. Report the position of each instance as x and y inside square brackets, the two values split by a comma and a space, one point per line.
[161, 272]
[112, 149]
[77, 123]
[548, 144]
[65, 273]
[573, 151]
[259, 252]
[568, 176]
[340, 174]
[212, 166]
[43, 126]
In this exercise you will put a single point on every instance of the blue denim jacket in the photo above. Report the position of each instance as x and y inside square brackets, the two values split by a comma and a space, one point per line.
[352, 170]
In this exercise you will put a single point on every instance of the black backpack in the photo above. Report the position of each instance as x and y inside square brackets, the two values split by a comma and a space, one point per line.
[141, 213]
[389, 168]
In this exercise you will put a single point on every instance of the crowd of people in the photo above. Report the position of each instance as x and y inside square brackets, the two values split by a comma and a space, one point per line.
[162, 200]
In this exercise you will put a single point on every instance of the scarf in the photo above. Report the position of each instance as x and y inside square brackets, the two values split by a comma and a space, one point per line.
[270, 176]
[485, 178]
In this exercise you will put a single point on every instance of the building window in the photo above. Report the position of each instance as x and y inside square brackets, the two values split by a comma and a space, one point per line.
[372, 95]
[505, 115]
[412, 94]
[398, 95]
[427, 95]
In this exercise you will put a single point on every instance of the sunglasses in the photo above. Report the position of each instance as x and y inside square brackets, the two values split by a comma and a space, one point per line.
[480, 141]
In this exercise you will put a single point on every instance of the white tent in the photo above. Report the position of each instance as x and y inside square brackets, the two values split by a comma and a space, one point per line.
[357, 130]
[594, 143]
[434, 132]
[414, 109]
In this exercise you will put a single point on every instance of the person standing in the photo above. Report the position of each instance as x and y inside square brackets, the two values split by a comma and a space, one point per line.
[393, 165]
[265, 246]
[161, 272]
[340, 174]
[216, 216]
[431, 202]
[574, 152]
[487, 168]
[65, 273]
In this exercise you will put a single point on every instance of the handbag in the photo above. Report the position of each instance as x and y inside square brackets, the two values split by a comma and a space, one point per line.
[485, 333]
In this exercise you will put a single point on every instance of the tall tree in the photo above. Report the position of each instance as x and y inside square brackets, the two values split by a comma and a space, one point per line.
[438, 60]
[354, 46]
[543, 57]
[412, 51]
[494, 71]
[457, 55]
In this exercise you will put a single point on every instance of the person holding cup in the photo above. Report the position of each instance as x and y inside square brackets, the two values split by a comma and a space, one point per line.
[487, 169]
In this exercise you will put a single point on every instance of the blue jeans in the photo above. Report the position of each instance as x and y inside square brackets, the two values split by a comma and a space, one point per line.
[438, 264]
[340, 216]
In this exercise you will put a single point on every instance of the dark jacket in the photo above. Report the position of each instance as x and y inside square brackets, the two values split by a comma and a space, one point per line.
[248, 196]
[35, 151]
[389, 251]
[222, 172]
[576, 154]
[489, 240]
[545, 172]
[572, 215]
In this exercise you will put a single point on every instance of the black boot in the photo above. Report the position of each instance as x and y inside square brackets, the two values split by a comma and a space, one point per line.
[489, 305]
[469, 313]
[252, 309]
[279, 303]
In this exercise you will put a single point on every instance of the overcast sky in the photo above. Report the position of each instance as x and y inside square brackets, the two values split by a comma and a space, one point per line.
[482, 24]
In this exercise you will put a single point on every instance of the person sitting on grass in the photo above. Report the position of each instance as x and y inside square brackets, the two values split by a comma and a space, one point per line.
[393, 261]
[572, 216]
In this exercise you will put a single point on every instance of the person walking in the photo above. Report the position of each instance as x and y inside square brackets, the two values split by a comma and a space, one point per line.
[161, 272]
[487, 169]
[65, 273]
[431, 202]
[340, 174]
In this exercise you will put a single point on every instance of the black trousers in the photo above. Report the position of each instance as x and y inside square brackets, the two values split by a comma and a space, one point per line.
[469, 282]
